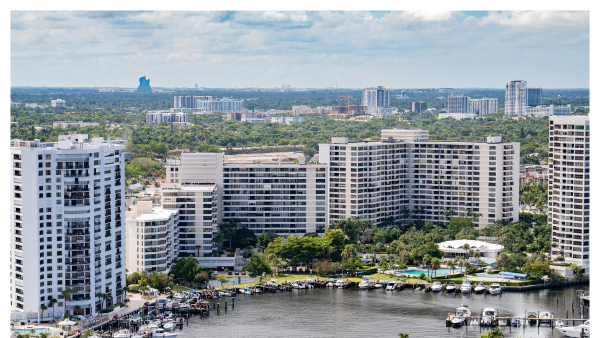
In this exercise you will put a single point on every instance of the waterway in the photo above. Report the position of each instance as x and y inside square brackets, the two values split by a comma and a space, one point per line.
[324, 312]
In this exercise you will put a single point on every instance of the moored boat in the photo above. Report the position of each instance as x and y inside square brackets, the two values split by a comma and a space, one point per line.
[391, 286]
[495, 289]
[437, 286]
[461, 315]
[573, 331]
[480, 288]
[466, 286]
[451, 287]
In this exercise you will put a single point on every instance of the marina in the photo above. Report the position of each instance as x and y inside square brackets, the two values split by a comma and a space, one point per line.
[417, 307]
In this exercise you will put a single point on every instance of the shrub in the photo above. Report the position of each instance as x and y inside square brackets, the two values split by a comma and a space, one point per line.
[367, 271]
[422, 276]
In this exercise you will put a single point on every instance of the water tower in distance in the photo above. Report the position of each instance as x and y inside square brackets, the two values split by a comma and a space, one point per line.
[403, 94]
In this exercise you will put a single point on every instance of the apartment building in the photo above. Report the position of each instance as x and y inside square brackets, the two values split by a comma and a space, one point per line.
[515, 99]
[483, 107]
[206, 104]
[58, 103]
[66, 202]
[406, 170]
[548, 110]
[377, 100]
[150, 237]
[156, 118]
[569, 188]
[287, 120]
[458, 104]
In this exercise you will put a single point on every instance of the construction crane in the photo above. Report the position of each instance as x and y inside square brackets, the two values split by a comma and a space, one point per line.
[349, 97]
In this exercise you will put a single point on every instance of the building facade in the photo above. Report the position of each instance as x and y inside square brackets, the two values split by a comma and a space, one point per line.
[58, 103]
[548, 110]
[483, 106]
[458, 104]
[569, 188]
[78, 124]
[407, 171]
[206, 104]
[155, 119]
[67, 200]
[534, 96]
[151, 237]
[287, 120]
[515, 99]
[419, 107]
[377, 101]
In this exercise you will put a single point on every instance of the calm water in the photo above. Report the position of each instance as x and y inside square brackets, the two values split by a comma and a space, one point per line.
[334, 312]
[439, 272]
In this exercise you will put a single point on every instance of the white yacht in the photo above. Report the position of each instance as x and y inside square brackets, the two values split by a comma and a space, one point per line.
[479, 288]
[329, 284]
[462, 313]
[451, 287]
[495, 289]
[573, 331]
[466, 286]
[437, 286]
[169, 326]
[246, 290]
[391, 286]
[364, 284]
[378, 285]
[122, 334]
[545, 317]
[339, 283]
[489, 316]
[159, 332]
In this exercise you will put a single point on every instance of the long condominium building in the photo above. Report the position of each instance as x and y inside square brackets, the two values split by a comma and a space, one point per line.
[207, 104]
[406, 171]
[458, 104]
[156, 118]
[66, 203]
[569, 188]
[483, 106]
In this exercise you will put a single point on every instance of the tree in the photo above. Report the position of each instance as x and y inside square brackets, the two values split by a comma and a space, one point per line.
[198, 247]
[66, 294]
[228, 229]
[264, 239]
[449, 213]
[44, 308]
[495, 333]
[537, 269]
[222, 279]
[52, 302]
[201, 278]
[308, 153]
[427, 259]
[435, 265]
[459, 223]
[575, 268]
[452, 267]
[257, 266]
[466, 247]
[403, 335]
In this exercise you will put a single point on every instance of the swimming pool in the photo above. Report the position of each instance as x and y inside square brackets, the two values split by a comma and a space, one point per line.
[439, 272]
[29, 330]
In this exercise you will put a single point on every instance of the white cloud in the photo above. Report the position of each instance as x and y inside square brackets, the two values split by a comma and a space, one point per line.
[538, 19]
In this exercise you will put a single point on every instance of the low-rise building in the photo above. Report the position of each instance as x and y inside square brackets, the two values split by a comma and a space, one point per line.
[287, 120]
[533, 174]
[58, 103]
[550, 110]
[156, 118]
[78, 124]
[488, 251]
[456, 116]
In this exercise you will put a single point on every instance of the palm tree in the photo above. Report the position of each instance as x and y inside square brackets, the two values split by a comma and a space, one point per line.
[435, 264]
[99, 295]
[449, 213]
[452, 266]
[77, 307]
[477, 255]
[466, 247]
[44, 308]
[52, 302]
[66, 294]
[403, 335]
[471, 252]
[198, 247]
[427, 261]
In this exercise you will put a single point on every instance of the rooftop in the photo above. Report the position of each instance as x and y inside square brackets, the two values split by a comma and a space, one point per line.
[157, 214]
[473, 244]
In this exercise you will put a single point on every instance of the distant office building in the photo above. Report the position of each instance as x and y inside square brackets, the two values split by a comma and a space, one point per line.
[483, 106]
[240, 116]
[144, 86]
[58, 103]
[458, 104]
[302, 110]
[196, 86]
[377, 101]
[419, 106]
[456, 116]
[515, 98]
[534, 96]
[569, 189]
[78, 124]
[154, 119]
[286, 120]
[206, 104]
[324, 110]
[548, 110]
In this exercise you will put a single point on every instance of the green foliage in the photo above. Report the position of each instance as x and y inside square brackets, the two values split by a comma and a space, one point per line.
[351, 227]
[144, 167]
[222, 279]
[495, 333]
[308, 249]
[258, 265]
[264, 239]
[208, 148]
[460, 223]
[185, 269]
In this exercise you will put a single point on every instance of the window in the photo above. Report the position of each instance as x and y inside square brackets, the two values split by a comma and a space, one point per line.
[48, 156]
[41, 173]
[39, 157]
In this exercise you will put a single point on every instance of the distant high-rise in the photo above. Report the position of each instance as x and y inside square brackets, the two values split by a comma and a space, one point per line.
[534, 96]
[144, 86]
[196, 86]
[403, 95]
[458, 104]
[419, 106]
[516, 98]
[377, 101]
[483, 106]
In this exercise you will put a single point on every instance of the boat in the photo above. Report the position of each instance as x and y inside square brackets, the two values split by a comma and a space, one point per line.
[329, 285]
[479, 288]
[122, 334]
[159, 332]
[462, 314]
[531, 318]
[495, 289]
[365, 283]
[295, 285]
[246, 290]
[339, 283]
[390, 286]
[545, 317]
[489, 317]
[516, 321]
[466, 286]
[451, 287]
[573, 331]
[437, 286]
[300, 285]
[378, 285]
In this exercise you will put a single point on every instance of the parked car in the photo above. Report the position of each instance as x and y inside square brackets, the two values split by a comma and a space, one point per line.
[243, 273]
[230, 273]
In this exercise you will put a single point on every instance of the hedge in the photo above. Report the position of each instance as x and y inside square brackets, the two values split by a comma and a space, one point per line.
[368, 271]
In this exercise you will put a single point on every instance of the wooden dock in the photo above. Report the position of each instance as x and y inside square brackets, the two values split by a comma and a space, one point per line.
[476, 320]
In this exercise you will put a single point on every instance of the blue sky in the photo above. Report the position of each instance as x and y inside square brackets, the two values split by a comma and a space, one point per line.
[397, 49]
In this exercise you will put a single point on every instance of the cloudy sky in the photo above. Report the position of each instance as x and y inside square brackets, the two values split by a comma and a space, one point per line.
[397, 49]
